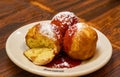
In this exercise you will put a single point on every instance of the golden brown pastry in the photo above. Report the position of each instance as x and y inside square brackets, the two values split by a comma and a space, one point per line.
[42, 36]
[80, 41]
[40, 56]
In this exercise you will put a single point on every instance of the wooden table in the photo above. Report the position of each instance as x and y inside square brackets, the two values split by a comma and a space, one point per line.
[104, 14]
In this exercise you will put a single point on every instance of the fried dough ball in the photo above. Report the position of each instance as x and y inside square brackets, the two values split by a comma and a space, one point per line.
[80, 41]
[42, 36]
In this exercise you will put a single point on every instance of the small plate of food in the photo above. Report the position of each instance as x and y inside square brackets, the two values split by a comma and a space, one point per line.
[63, 46]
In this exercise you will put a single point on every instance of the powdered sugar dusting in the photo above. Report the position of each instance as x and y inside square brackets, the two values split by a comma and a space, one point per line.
[55, 28]
[80, 26]
[66, 17]
[47, 30]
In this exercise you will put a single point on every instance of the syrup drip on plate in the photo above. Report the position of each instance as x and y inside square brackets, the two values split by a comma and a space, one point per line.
[63, 61]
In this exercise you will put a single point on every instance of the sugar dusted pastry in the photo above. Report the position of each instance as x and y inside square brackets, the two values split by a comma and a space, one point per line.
[42, 36]
[80, 41]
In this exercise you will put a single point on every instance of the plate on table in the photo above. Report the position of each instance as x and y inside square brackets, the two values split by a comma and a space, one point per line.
[15, 46]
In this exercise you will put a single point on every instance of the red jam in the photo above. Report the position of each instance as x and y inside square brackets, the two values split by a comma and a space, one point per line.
[68, 38]
[63, 61]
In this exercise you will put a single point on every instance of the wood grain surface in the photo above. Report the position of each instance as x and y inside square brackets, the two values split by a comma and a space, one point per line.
[103, 14]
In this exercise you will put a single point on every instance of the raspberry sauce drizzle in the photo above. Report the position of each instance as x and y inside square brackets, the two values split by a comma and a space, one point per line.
[68, 38]
[63, 61]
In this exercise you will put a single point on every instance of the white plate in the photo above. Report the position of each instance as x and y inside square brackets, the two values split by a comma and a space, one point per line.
[15, 46]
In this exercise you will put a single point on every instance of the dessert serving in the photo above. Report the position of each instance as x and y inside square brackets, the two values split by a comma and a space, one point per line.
[64, 35]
